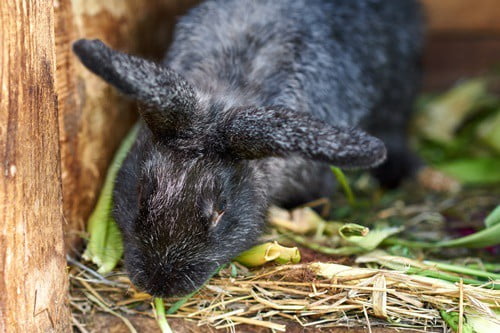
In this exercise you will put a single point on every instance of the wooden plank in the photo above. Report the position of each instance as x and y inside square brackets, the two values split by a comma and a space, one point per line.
[33, 281]
[463, 16]
[449, 58]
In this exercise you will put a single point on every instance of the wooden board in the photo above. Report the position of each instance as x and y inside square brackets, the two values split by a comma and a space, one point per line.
[33, 282]
[463, 16]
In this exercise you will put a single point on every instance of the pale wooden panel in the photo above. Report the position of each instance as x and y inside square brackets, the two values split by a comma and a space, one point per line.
[459, 16]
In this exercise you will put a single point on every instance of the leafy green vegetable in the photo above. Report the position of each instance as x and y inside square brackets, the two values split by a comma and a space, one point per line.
[474, 170]
[489, 236]
[458, 132]
[493, 218]
[489, 131]
[441, 116]
[105, 247]
[452, 318]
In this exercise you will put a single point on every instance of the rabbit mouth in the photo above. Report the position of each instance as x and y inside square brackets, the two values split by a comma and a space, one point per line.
[167, 281]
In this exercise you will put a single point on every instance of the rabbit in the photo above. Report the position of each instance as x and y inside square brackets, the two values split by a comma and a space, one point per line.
[253, 102]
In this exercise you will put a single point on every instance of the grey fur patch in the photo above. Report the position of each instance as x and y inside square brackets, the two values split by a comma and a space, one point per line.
[252, 101]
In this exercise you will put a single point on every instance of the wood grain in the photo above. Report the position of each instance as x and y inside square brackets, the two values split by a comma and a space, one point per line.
[33, 281]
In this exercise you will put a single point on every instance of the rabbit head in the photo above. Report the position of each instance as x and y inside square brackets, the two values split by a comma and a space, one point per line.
[199, 195]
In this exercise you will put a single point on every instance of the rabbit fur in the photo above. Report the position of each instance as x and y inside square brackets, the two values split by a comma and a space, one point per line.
[251, 104]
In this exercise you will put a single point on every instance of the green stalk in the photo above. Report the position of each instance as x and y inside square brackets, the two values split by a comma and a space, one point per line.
[408, 243]
[463, 270]
[105, 246]
[177, 305]
[480, 239]
[490, 267]
[341, 251]
[341, 178]
[434, 274]
[160, 315]
[448, 277]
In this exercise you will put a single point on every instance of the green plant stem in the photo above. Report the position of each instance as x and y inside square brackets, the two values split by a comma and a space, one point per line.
[483, 238]
[177, 305]
[411, 244]
[447, 277]
[341, 178]
[480, 239]
[463, 270]
[490, 267]
[160, 315]
[342, 251]
[434, 274]
[105, 246]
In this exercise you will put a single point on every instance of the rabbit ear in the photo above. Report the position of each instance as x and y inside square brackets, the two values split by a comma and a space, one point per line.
[254, 133]
[168, 99]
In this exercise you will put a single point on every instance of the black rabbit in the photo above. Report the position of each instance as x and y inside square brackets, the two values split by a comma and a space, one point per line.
[252, 103]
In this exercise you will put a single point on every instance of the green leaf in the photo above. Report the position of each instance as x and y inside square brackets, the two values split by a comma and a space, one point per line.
[493, 218]
[105, 246]
[489, 236]
[486, 237]
[489, 131]
[452, 318]
[473, 171]
[373, 238]
[440, 117]
[350, 230]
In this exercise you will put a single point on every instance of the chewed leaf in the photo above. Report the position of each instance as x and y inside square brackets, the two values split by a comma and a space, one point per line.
[263, 253]
[352, 231]
[105, 246]
[373, 238]
[473, 170]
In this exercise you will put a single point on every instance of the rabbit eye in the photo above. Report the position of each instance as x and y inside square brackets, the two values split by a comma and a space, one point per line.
[216, 217]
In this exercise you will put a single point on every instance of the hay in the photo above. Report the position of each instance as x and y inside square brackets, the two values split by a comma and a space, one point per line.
[375, 290]
[346, 296]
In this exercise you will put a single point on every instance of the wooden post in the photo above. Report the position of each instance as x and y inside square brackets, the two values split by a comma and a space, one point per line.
[59, 127]
[33, 282]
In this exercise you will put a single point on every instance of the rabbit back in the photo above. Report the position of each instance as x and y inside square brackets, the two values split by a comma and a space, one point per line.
[337, 59]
